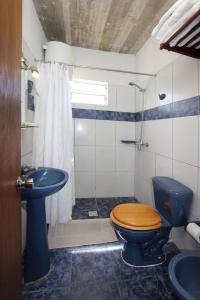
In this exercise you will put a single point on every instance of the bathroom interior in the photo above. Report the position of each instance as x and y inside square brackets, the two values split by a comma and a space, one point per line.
[107, 181]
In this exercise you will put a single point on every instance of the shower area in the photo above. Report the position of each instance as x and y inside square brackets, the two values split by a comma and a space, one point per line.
[105, 162]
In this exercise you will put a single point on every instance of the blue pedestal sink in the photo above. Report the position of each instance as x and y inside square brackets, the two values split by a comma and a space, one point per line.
[47, 181]
[184, 271]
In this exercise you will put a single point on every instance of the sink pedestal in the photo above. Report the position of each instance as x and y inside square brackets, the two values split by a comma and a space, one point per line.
[47, 181]
[36, 259]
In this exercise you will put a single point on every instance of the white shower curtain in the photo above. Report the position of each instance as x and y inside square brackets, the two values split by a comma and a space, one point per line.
[53, 139]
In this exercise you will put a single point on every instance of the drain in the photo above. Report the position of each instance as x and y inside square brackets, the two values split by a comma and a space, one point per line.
[92, 213]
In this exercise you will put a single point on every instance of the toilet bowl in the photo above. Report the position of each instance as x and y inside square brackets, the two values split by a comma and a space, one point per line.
[146, 230]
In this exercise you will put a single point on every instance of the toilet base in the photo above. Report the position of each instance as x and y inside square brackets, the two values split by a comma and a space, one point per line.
[131, 255]
[143, 248]
[142, 266]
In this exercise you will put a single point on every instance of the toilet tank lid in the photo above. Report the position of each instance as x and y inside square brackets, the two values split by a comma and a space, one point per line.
[171, 185]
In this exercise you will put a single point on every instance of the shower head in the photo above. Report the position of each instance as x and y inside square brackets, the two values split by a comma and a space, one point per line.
[137, 86]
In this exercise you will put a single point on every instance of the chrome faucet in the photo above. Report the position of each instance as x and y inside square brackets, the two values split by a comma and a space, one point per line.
[27, 182]
[23, 181]
[141, 143]
[27, 168]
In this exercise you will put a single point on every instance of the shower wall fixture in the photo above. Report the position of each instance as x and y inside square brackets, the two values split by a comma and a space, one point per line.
[25, 66]
[140, 143]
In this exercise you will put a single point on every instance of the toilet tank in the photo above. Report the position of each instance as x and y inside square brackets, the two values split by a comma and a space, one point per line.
[172, 200]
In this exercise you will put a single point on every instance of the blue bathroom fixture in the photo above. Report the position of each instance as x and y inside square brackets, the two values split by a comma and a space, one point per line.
[46, 181]
[184, 275]
[147, 231]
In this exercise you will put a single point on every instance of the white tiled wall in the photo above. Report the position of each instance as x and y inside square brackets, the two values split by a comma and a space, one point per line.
[164, 85]
[149, 96]
[174, 148]
[185, 78]
[104, 166]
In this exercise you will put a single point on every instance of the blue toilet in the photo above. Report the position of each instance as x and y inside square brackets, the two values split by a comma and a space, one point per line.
[146, 230]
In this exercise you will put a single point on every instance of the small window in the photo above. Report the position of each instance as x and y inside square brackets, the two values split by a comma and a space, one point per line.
[89, 92]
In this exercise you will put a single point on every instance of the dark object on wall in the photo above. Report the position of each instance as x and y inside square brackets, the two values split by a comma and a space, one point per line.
[30, 103]
[30, 86]
[128, 142]
[162, 96]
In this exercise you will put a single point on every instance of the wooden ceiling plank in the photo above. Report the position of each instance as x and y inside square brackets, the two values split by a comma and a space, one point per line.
[129, 23]
[97, 22]
[67, 20]
[82, 16]
[118, 12]
[50, 13]
[109, 25]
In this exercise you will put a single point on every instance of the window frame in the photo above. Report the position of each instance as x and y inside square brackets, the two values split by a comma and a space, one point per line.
[104, 94]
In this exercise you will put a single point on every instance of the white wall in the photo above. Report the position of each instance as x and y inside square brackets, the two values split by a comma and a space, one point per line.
[33, 35]
[33, 38]
[150, 59]
[173, 143]
[103, 59]
[60, 52]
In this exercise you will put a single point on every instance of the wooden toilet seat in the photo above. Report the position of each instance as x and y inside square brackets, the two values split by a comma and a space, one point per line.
[136, 216]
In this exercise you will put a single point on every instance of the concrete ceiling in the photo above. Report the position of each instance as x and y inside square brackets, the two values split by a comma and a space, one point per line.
[110, 25]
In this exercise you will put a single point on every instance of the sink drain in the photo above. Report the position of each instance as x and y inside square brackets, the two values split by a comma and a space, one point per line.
[93, 213]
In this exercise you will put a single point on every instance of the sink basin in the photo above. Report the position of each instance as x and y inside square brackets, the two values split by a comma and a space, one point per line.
[184, 271]
[47, 181]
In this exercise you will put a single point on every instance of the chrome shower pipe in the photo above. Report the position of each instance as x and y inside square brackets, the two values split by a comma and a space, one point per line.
[137, 86]
[140, 143]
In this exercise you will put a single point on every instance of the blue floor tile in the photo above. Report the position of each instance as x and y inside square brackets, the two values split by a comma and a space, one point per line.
[105, 206]
[170, 250]
[91, 267]
[57, 294]
[86, 204]
[139, 289]
[165, 291]
[78, 213]
[98, 272]
[59, 274]
[104, 290]
[120, 200]
[33, 296]
[125, 272]
[50, 294]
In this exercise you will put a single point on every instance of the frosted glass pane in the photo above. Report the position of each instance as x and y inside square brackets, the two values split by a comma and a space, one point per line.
[88, 99]
[89, 92]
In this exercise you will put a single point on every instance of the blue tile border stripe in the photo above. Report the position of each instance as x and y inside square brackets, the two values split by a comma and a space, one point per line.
[188, 107]
[183, 108]
[80, 113]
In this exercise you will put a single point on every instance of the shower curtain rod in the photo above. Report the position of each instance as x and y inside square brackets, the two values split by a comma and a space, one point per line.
[101, 69]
